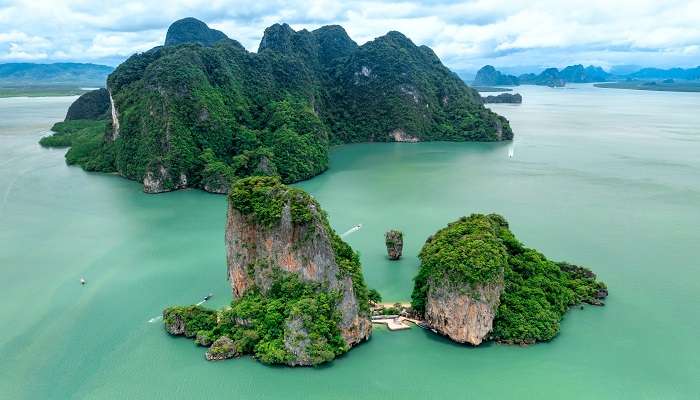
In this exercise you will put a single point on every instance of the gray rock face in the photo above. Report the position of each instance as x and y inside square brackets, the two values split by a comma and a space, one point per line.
[223, 348]
[158, 180]
[394, 244]
[464, 314]
[306, 250]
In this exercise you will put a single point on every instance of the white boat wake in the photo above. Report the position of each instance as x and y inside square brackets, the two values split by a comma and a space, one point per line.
[160, 317]
[352, 230]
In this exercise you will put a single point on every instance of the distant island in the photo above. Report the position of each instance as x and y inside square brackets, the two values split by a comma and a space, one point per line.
[202, 111]
[489, 76]
[674, 79]
[58, 79]
[504, 98]
[665, 85]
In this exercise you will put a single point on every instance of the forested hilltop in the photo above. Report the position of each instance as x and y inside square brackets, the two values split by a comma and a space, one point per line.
[202, 111]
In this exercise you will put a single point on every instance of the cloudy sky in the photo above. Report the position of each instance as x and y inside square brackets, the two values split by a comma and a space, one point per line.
[465, 34]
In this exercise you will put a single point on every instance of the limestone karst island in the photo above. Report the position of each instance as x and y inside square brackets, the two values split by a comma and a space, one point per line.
[385, 199]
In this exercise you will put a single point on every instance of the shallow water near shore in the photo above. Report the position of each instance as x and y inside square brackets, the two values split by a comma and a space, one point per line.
[605, 178]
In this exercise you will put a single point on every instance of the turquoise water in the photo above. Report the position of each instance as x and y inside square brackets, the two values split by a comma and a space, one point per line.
[601, 177]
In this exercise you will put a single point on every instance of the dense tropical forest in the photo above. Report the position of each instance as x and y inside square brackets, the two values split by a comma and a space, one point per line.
[202, 111]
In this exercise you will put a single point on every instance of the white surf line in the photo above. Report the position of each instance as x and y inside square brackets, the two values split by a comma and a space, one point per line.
[352, 230]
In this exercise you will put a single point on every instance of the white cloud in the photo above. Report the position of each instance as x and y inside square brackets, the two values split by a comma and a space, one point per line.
[465, 34]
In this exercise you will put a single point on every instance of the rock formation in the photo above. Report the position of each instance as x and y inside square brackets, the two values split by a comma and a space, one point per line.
[294, 237]
[91, 105]
[504, 98]
[394, 244]
[222, 349]
[478, 282]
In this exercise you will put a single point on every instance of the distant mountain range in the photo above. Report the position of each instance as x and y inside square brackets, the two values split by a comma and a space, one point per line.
[64, 74]
[489, 76]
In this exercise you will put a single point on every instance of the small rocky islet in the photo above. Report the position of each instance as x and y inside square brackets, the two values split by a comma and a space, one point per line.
[300, 298]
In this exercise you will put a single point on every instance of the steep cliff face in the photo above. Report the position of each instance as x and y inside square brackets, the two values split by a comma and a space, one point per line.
[464, 313]
[478, 282]
[274, 231]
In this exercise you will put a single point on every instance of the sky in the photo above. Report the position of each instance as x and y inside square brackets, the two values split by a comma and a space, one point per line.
[465, 34]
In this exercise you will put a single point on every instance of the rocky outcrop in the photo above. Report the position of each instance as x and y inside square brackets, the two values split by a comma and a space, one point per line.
[463, 313]
[159, 181]
[223, 348]
[91, 105]
[399, 135]
[394, 244]
[504, 98]
[273, 228]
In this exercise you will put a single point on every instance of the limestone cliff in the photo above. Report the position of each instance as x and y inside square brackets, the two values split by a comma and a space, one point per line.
[275, 230]
[465, 313]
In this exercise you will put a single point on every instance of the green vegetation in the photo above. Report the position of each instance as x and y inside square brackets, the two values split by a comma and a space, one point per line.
[537, 292]
[86, 141]
[374, 296]
[215, 113]
[194, 319]
[264, 325]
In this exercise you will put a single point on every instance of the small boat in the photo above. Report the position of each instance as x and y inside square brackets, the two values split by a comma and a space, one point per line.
[207, 297]
[82, 280]
[510, 152]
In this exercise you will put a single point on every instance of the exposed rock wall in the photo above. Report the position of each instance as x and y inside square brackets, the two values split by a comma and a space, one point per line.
[394, 244]
[464, 314]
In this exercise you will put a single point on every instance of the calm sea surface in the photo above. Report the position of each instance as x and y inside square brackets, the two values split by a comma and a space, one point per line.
[605, 178]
